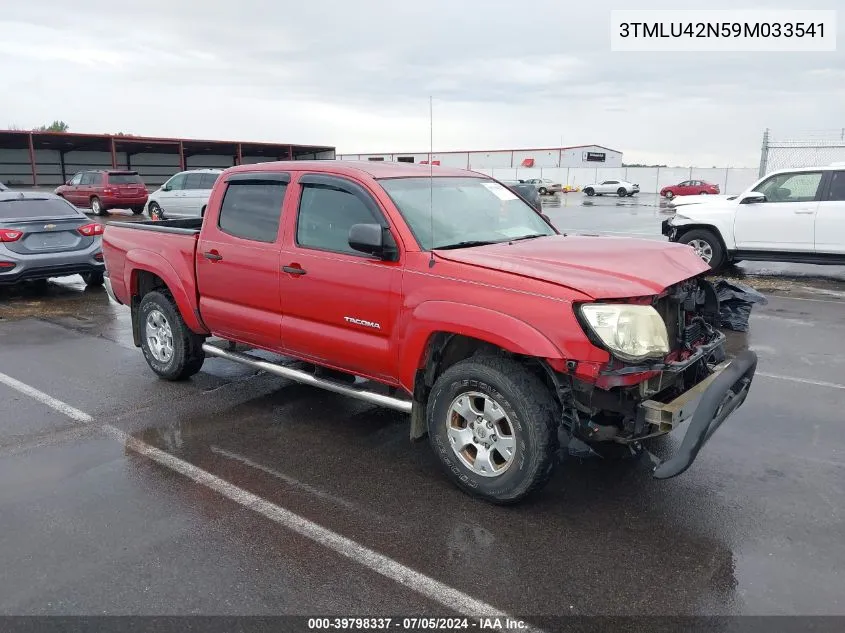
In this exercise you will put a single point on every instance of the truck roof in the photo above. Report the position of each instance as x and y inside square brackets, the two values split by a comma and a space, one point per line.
[376, 169]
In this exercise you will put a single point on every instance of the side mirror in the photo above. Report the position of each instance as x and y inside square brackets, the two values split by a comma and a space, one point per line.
[370, 239]
[753, 197]
[165, 187]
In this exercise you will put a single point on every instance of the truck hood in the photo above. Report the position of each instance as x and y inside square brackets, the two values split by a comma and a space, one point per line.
[601, 267]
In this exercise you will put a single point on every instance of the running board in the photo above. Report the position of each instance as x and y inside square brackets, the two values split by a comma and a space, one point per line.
[389, 402]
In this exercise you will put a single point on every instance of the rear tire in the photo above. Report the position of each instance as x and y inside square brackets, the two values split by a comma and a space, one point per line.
[494, 404]
[621, 192]
[97, 206]
[137, 210]
[707, 246]
[590, 191]
[94, 279]
[170, 348]
[543, 191]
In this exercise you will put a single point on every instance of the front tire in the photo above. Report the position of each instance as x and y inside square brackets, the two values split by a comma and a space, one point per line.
[492, 424]
[171, 350]
[669, 195]
[155, 211]
[707, 246]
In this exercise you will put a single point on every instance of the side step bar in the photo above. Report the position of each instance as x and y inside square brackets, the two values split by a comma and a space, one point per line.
[389, 402]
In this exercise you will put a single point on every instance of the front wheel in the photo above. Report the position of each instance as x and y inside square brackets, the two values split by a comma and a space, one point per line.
[492, 424]
[172, 350]
[155, 212]
[706, 245]
[669, 195]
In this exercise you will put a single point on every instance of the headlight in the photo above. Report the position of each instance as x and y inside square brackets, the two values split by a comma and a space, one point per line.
[632, 332]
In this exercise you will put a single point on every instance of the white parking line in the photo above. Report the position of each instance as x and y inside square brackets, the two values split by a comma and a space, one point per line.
[63, 408]
[806, 381]
[426, 586]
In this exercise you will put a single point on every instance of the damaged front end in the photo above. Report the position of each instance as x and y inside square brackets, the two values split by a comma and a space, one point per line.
[631, 401]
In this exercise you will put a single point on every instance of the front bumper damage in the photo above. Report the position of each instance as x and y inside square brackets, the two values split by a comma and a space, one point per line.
[706, 405]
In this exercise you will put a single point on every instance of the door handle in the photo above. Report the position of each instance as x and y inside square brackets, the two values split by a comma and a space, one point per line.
[213, 256]
[811, 212]
[293, 270]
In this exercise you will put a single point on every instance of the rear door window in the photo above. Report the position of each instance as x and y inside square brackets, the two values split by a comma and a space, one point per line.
[193, 181]
[87, 178]
[208, 180]
[252, 210]
[96, 179]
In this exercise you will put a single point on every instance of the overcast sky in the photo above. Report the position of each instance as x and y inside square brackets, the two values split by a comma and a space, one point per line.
[357, 74]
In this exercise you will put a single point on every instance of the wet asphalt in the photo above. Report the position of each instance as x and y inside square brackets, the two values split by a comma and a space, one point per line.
[88, 526]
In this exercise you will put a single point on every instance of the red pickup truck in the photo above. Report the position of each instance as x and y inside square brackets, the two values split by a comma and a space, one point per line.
[445, 295]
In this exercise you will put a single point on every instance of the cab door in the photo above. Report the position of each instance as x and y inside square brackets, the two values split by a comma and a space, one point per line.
[238, 260]
[340, 305]
[830, 219]
[786, 221]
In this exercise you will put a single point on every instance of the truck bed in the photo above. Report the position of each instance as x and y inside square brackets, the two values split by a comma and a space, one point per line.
[183, 225]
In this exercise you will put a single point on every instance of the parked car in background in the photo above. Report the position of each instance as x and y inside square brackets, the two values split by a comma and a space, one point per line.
[185, 195]
[104, 189]
[43, 236]
[621, 188]
[690, 188]
[791, 215]
[544, 185]
[529, 192]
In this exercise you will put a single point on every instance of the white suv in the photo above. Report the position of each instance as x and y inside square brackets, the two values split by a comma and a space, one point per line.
[184, 195]
[790, 215]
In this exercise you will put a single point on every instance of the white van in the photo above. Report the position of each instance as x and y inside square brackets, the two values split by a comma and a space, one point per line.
[185, 195]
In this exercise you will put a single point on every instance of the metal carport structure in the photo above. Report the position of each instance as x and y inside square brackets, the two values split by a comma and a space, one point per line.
[48, 159]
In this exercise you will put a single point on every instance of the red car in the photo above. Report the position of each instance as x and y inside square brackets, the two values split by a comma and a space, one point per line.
[690, 188]
[498, 335]
[101, 190]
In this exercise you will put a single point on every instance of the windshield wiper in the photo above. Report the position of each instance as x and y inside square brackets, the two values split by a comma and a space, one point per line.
[467, 244]
[527, 237]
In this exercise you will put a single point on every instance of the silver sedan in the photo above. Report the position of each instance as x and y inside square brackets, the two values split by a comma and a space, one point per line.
[43, 236]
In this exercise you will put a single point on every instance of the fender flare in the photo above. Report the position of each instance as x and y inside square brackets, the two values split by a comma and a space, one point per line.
[491, 326]
[140, 259]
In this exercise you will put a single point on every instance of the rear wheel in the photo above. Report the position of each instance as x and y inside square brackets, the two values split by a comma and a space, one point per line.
[138, 210]
[172, 351]
[706, 245]
[97, 206]
[492, 422]
[543, 191]
[93, 279]
[621, 192]
[590, 191]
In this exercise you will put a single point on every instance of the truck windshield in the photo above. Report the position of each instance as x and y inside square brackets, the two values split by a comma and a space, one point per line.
[462, 211]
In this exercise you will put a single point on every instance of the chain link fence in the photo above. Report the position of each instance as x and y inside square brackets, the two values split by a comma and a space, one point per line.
[811, 149]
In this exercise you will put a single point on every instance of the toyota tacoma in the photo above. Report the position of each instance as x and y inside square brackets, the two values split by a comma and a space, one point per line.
[444, 296]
